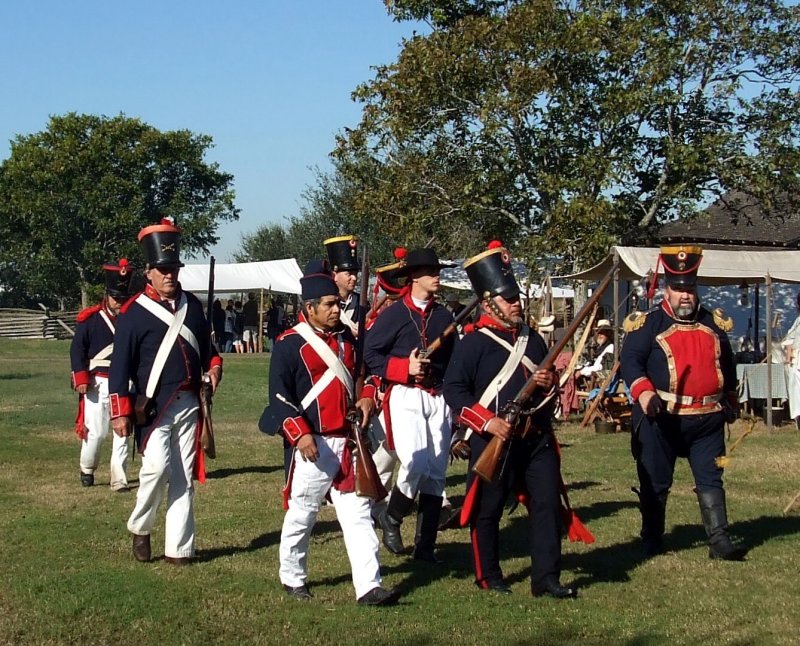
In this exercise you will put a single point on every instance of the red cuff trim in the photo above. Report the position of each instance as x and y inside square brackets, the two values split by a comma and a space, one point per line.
[639, 386]
[80, 378]
[369, 391]
[476, 416]
[121, 406]
[397, 370]
[216, 362]
[294, 428]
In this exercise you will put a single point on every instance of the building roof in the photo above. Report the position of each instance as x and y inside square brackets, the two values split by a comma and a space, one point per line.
[738, 218]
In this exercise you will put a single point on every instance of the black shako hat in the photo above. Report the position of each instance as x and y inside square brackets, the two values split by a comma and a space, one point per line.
[391, 277]
[491, 274]
[161, 244]
[681, 264]
[317, 281]
[118, 279]
[343, 253]
[423, 258]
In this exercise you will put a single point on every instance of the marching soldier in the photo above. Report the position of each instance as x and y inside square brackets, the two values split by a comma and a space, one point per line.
[414, 415]
[311, 389]
[163, 346]
[677, 362]
[490, 365]
[90, 355]
[343, 258]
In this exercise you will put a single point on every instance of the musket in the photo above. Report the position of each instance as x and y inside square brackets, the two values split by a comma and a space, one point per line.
[486, 464]
[368, 482]
[434, 345]
[206, 392]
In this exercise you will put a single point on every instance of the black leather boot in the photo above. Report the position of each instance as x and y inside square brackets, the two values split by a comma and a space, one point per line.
[430, 508]
[654, 512]
[391, 520]
[715, 520]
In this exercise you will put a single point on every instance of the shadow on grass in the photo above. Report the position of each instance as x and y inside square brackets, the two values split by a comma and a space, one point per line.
[16, 375]
[269, 539]
[218, 474]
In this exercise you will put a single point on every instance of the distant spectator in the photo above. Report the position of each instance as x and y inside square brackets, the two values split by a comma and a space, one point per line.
[275, 321]
[250, 312]
[218, 324]
[238, 327]
[230, 327]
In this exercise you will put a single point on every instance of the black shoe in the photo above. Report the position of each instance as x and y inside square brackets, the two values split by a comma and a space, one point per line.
[554, 589]
[87, 479]
[380, 597]
[429, 556]
[500, 587]
[392, 538]
[300, 593]
[141, 548]
[727, 551]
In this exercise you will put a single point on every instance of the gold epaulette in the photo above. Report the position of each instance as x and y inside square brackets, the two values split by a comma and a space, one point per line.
[724, 323]
[634, 321]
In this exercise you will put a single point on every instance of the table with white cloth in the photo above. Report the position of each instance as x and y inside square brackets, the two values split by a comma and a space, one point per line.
[752, 380]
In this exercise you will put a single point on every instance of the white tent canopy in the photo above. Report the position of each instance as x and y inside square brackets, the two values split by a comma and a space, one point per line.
[456, 278]
[719, 267]
[276, 275]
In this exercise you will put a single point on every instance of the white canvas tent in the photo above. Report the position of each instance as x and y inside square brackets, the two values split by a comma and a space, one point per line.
[277, 275]
[719, 267]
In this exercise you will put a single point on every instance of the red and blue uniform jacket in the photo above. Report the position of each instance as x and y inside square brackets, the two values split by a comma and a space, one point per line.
[688, 363]
[139, 335]
[476, 362]
[92, 336]
[398, 331]
[294, 369]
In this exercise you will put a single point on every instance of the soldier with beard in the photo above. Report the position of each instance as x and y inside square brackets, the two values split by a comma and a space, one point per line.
[490, 365]
[677, 362]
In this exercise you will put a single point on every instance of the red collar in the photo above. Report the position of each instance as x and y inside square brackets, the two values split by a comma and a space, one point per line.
[489, 321]
[413, 307]
[151, 293]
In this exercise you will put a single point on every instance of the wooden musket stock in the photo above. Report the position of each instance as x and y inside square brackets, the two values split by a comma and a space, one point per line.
[486, 465]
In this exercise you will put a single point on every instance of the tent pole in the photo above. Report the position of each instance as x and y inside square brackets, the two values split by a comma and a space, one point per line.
[756, 316]
[615, 321]
[768, 348]
[261, 323]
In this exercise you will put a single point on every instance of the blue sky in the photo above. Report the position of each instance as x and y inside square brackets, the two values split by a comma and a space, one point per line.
[269, 81]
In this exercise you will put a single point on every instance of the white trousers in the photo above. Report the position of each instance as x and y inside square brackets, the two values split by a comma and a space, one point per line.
[421, 428]
[96, 417]
[168, 460]
[794, 391]
[310, 482]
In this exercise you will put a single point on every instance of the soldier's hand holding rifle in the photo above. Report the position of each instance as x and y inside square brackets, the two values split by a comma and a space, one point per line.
[417, 363]
[366, 406]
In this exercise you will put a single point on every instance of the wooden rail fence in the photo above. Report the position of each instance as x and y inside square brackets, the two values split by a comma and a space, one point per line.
[36, 324]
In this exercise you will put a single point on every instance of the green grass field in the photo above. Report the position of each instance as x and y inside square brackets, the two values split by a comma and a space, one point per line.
[68, 575]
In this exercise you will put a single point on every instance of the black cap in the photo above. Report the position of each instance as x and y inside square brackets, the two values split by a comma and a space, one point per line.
[681, 264]
[491, 274]
[343, 253]
[161, 244]
[423, 258]
[118, 279]
[317, 281]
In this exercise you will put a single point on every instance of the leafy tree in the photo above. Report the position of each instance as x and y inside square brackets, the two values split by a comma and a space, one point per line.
[326, 212]
[76, 194]
[565, 126]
